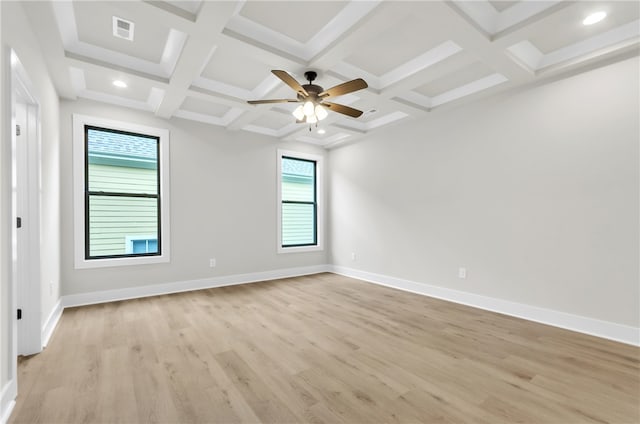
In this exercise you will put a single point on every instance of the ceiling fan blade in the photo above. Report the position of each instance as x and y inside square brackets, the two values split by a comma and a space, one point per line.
[261, 102]
[345, 88]
[291, 82]
[345, 110]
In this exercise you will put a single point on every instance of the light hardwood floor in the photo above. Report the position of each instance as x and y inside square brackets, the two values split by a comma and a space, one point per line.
[320, 349]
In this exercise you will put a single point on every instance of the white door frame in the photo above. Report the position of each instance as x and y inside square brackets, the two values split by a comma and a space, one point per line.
[25, 261]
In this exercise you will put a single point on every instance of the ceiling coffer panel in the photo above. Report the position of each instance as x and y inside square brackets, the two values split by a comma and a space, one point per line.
[102, 82]
[274, 120]
[94, 22]
[203, 107]
[565, 27]
[298, 20]
[416, 30]
[449, 81]
[229, 66]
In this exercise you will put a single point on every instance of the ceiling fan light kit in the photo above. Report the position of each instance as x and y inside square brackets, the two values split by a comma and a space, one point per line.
[321, 112]
[313, 107]
[308, 108]
[299, 113]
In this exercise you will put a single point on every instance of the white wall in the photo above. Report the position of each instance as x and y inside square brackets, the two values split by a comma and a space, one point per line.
[17, 34]
[535, 193]
[223, 205]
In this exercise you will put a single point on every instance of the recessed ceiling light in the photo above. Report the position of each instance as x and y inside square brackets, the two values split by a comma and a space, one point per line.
[321, 131]
[119, 83]
[594, 18]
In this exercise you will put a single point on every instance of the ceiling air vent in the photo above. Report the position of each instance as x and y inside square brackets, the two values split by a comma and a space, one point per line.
[123, 28]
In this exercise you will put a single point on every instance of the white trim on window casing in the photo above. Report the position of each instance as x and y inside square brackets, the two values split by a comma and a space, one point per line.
[319, 199]
[79, 121]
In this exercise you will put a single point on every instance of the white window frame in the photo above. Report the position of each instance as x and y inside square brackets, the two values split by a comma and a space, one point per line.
[319, 199]
[79, 122]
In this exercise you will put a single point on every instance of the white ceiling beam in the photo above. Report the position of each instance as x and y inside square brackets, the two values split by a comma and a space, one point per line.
[41, 15]
[198, 49]
[478, 44]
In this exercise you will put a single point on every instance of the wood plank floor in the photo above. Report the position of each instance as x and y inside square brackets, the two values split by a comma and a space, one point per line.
[320, 349]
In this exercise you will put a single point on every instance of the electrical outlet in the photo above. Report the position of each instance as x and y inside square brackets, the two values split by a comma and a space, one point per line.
[353, 256]
[212, 263]
[462, 273]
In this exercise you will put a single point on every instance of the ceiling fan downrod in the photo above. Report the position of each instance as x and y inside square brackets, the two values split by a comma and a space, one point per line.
[310, 76]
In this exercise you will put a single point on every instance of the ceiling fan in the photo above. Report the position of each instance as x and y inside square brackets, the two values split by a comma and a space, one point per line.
[312, 96]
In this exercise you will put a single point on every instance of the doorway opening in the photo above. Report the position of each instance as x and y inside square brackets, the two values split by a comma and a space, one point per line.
[25, 213]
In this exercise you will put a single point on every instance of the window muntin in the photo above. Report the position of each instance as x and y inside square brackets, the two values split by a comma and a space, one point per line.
[122, 186]
[145, 246]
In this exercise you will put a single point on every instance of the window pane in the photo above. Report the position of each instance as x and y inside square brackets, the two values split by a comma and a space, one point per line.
[139, 246]
[122, 163]
[152, 246]
[114, 219]
[298, 180]
[298, 224]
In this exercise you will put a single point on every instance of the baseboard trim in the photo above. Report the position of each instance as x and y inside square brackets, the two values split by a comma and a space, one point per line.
[8, 400]
[51, 323]
[92, 298]
[604, 329]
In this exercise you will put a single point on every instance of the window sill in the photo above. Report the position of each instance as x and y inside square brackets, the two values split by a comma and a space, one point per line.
[111, 262]
[300, 249]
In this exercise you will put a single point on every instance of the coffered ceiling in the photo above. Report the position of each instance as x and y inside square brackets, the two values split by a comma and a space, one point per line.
[202, 60]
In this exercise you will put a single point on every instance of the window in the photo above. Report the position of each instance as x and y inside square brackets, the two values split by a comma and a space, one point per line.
[122, 196]
[120, 193]
[299, 208]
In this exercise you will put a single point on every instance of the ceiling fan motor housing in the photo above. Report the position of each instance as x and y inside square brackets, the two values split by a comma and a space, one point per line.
[311, 88]
[313, 91]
